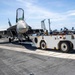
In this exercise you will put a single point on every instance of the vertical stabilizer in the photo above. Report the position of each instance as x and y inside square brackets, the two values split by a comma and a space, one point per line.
[9, 23]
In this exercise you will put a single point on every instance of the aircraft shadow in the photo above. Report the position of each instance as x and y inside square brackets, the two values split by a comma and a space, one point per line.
[4, 42]
[30, 47]
[27, 46]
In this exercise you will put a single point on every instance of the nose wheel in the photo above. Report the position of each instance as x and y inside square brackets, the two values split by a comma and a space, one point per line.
[11, 39]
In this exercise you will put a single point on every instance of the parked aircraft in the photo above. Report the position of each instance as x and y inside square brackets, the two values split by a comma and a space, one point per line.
[21, 29]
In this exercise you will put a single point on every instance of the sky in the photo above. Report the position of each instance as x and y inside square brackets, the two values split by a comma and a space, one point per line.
[60, 12]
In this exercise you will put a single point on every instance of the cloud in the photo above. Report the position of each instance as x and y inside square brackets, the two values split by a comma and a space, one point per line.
[71, 13]
[36, 12]
[56, 3]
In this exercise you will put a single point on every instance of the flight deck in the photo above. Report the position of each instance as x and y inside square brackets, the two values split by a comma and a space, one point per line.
[23, 59]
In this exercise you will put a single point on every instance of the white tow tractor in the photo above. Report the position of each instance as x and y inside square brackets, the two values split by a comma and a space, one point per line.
[60, 41]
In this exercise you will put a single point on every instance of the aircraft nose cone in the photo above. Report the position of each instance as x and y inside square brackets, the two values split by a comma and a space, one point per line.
[21, 27]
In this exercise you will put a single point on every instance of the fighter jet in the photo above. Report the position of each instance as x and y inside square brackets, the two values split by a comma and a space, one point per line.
[21, 29]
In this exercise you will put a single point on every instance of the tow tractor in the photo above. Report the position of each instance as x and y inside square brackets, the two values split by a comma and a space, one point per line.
[63, 40]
